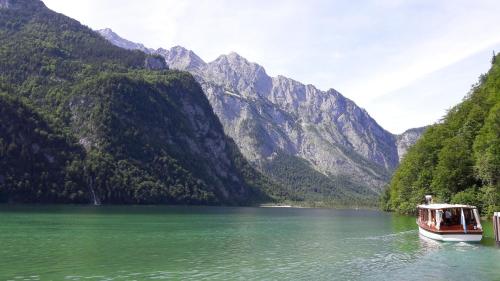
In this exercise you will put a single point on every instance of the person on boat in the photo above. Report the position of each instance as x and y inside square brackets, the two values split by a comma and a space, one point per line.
[433, 223]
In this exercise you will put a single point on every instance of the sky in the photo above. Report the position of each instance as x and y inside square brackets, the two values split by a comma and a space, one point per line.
[405, 61]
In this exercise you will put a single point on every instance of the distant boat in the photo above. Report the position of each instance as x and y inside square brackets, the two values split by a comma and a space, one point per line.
[449, 222]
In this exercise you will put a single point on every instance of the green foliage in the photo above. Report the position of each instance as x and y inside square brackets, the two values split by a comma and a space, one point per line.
[305, 184]
[82, 120]
[470, 196]
[37, 163]
[487, 148]
[384, 199]
[457, 160]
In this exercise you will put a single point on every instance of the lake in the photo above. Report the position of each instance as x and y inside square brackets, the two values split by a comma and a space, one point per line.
[215, 243]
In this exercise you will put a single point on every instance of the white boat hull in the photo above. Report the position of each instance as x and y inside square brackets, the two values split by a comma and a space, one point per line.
[451, 237]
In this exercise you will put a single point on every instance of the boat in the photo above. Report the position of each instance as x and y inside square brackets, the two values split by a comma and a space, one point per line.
[449, 222]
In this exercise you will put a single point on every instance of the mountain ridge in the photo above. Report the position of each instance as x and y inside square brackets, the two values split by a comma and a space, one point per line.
[268, 115]
[84, 121]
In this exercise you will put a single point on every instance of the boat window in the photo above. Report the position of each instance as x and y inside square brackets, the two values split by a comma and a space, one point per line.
[423, 215]
[469, 216]
[451, 216]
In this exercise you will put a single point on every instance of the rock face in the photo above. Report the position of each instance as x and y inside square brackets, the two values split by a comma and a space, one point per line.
[267, 116]
[122, 43]
[407, 139]
[279, 115]
[180, 58]
[4, 4]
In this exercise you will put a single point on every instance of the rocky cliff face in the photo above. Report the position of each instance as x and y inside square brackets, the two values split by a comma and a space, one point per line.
[180, 58]
[122, 43]
[407, 139]
[4, 4]
[267, 116]
[334, 135]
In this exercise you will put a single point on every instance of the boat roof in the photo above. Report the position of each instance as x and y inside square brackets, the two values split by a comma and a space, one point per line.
[444, 206]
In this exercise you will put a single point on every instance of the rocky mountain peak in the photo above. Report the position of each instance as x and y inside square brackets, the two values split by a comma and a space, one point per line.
[107, 32]
[236, 62]
[267, 116]
[181, 58]
[236, 72]
[114, 38]
[235, 58]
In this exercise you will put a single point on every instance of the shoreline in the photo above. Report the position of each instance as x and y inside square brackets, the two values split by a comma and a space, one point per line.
[290, 205]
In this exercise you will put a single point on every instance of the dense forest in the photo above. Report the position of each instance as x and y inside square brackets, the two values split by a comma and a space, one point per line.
[36, 162]
[84, 121]
[458, 159]
[306, 186]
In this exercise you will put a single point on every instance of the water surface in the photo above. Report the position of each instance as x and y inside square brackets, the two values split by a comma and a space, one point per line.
[214, 243]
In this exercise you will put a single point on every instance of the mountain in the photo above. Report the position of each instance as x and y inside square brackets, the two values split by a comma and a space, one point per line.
[85, 121]
[122, 43]
[458, 159]
[407, 139]
[277, 118]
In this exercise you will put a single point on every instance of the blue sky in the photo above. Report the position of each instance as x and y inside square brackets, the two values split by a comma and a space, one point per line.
[406, 62]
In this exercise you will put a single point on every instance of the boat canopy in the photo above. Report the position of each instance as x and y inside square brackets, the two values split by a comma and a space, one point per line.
[445, 206]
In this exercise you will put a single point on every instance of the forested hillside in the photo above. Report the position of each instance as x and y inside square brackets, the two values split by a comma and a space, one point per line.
[458, 159]
[84, 121]
[312, 188]
[320, 145]
[36, 162]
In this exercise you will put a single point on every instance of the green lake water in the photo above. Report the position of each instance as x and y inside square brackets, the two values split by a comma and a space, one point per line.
[219, 243]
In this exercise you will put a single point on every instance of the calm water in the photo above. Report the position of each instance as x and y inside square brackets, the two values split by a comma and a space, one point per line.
[210, 243]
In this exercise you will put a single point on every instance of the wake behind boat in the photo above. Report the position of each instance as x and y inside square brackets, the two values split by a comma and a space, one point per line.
[449, 222]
